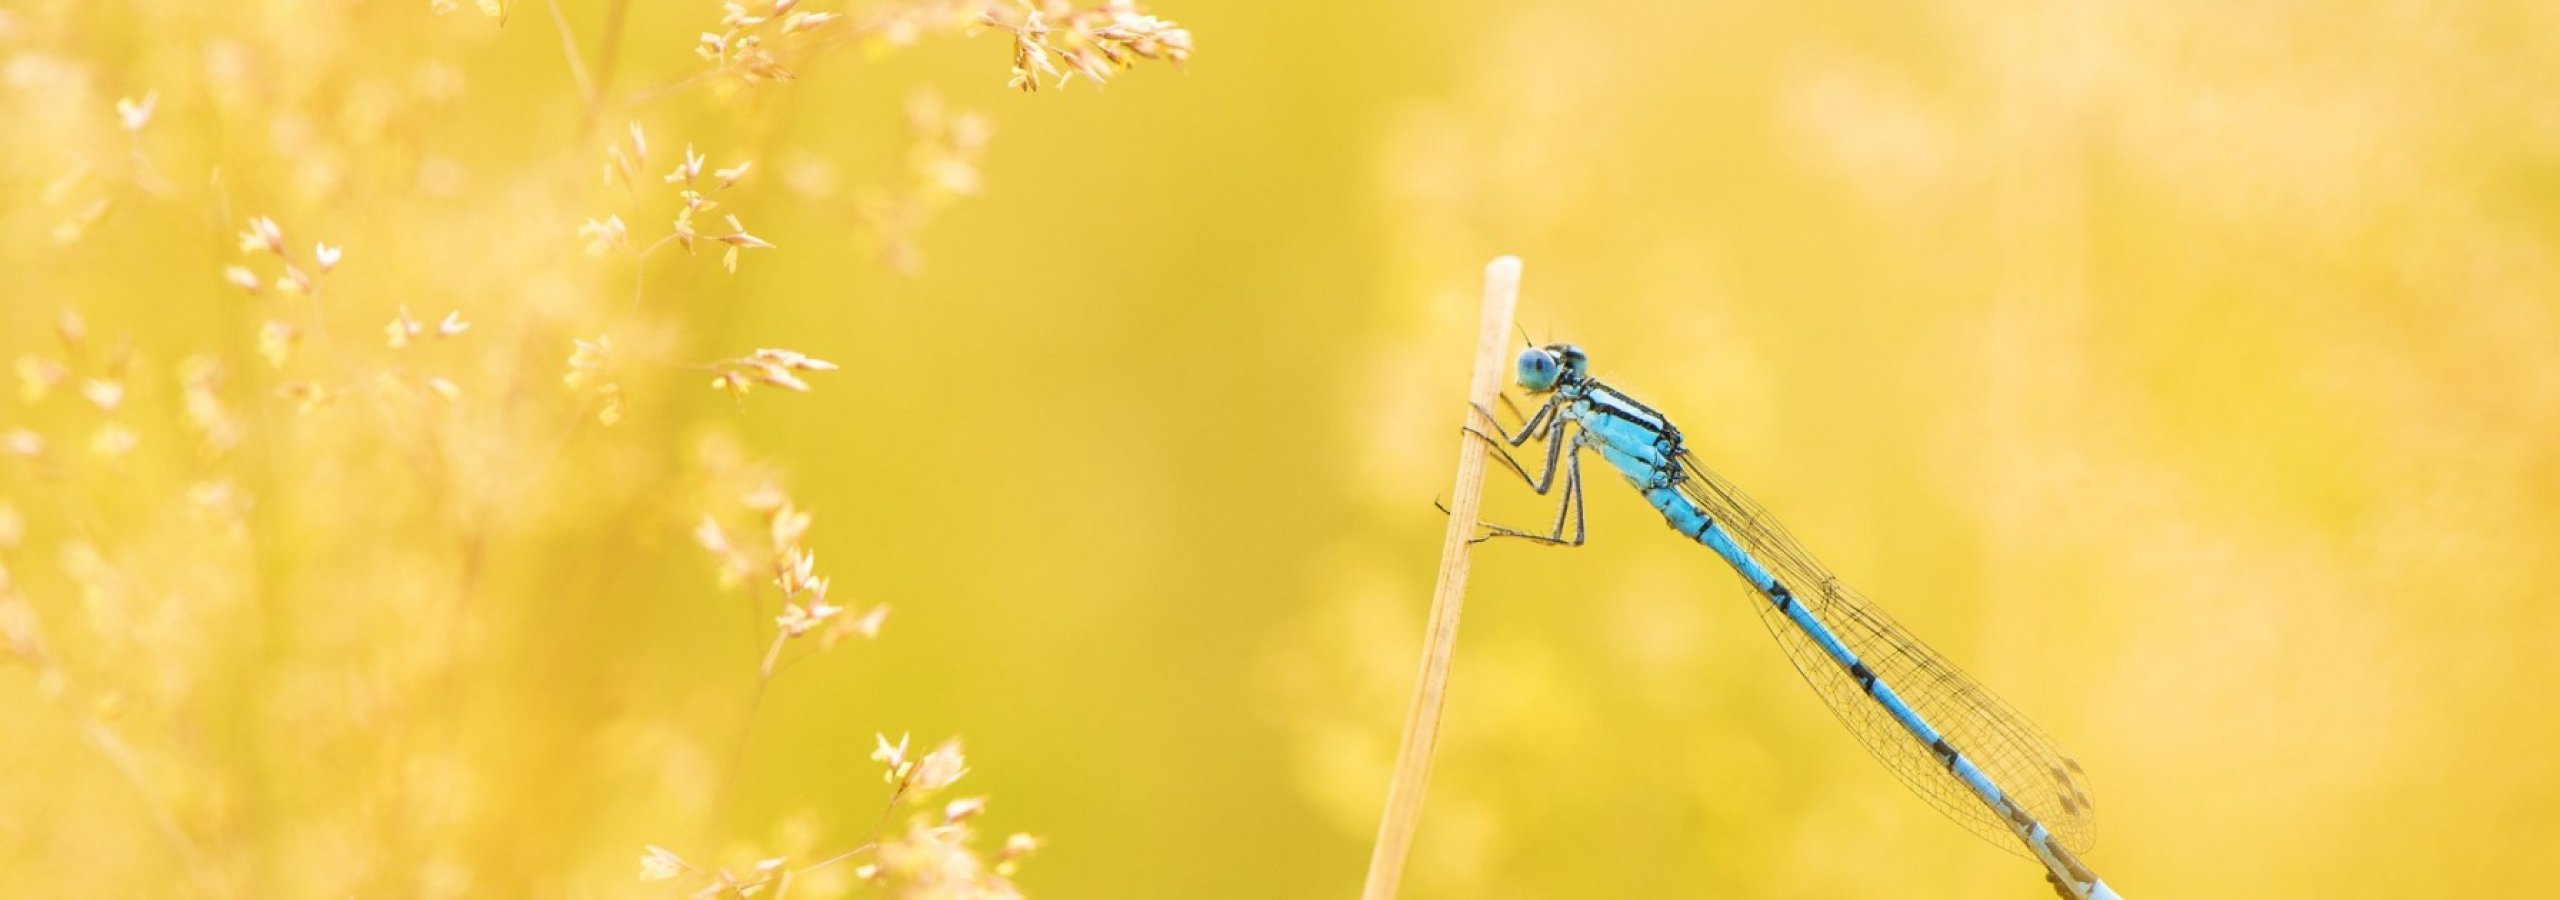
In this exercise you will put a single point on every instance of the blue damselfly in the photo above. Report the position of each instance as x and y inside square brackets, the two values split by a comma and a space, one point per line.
[1956, 745]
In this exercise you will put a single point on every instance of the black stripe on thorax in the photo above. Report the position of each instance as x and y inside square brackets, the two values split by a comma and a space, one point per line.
[1615, 404]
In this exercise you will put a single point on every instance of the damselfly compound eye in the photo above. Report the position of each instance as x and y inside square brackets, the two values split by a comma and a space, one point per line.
[1576, 363]
[1538, 370]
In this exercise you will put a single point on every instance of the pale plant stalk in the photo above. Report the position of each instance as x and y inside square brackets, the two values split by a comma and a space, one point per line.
[569, 49]
[1448, 594]
[746, 730]
[879, 831]
[129, 765]
[616, 13]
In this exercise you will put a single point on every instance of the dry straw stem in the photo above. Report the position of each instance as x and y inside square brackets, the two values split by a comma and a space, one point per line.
[1448, 595]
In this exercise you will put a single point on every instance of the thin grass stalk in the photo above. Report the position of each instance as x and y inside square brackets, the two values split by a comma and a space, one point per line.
[1448, 594]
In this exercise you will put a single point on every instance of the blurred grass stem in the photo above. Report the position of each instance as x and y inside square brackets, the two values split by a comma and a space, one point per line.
[130, 766]
[1448, 594]
[746, 729]
[569, 50]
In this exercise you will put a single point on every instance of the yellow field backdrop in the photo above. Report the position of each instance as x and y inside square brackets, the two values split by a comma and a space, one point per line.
[392, 506]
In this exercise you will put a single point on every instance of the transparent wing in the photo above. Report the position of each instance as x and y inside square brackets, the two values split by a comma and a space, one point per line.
[2017, 756]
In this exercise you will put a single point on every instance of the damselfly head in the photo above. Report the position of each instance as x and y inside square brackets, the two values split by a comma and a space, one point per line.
[1541, 368]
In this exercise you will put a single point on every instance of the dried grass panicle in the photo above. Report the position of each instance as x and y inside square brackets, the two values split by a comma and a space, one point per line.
[944, 150]
[774, 367]
[187, 520]
[761, 43]
[755, 530]
[934, 855]
[1052, 40]
[591, 375]
[296, 275]
[695, 195]
[1057, 40]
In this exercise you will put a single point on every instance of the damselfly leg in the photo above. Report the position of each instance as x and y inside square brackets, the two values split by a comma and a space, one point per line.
[1549, 428]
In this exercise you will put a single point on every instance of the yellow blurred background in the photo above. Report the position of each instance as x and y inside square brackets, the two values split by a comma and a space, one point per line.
[2183, 370]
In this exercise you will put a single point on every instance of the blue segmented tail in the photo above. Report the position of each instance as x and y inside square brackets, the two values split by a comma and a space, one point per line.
[1961, 752]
